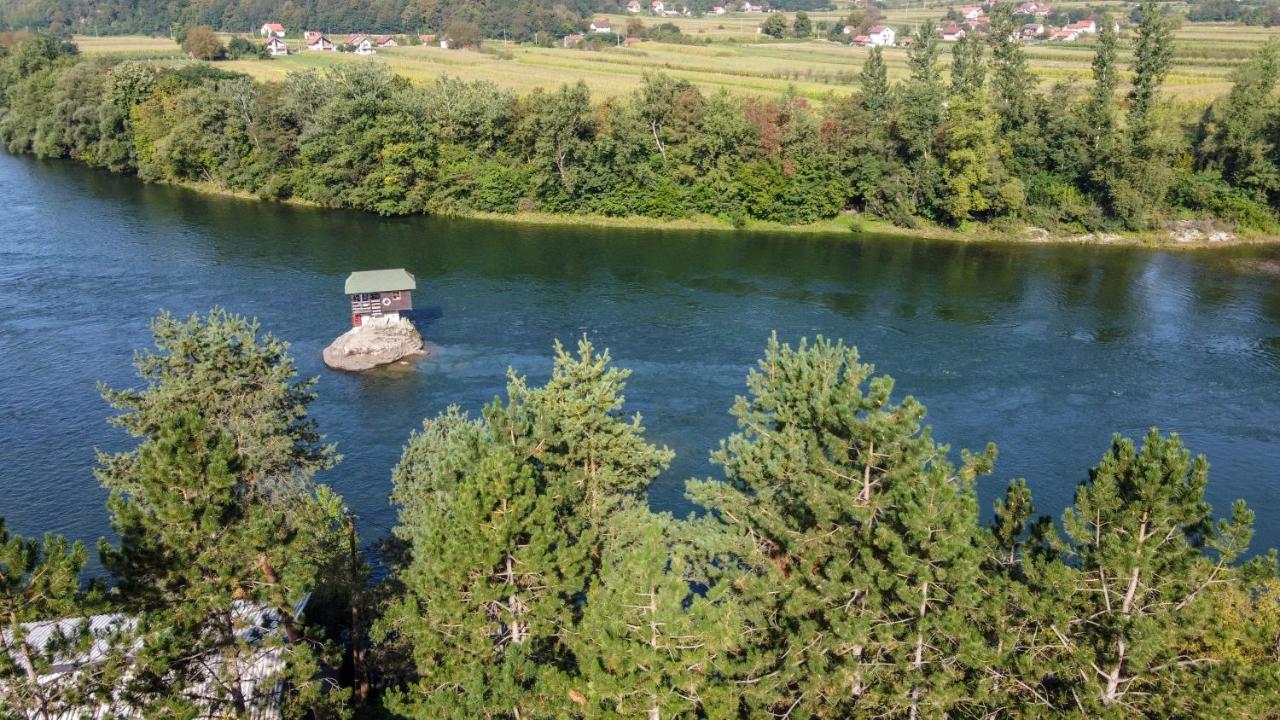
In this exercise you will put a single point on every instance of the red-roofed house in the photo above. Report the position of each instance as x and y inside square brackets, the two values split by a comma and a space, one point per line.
[276, 46]
[360, 44]
[952, 32]
[271, 30]
[881, 36]
[601, 25]
[386, 41]
[1084, 27]
[971, 13]
[316, 41]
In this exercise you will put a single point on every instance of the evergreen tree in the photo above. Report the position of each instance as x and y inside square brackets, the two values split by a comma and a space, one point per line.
[41, 593]
[857, 542]
[507, 518]
[220, 525]
[1139, 591]
[649, 645]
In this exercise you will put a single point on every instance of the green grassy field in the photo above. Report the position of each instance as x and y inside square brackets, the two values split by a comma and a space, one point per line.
[737, 59]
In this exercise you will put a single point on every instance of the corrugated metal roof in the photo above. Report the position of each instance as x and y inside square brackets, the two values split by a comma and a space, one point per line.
[258, 677]
[371, 281]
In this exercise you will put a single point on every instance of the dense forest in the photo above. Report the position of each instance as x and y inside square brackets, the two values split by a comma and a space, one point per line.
[841, 571]
[982, 142]
[519, 19]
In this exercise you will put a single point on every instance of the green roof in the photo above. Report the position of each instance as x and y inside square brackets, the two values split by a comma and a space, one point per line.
[371, 281]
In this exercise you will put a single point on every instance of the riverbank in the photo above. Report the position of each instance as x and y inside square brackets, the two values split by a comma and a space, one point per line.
[1199, 233]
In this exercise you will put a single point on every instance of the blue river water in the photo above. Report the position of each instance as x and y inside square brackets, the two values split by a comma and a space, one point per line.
[1045, 350]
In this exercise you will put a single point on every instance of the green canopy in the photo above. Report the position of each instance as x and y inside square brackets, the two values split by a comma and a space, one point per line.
[372, 281]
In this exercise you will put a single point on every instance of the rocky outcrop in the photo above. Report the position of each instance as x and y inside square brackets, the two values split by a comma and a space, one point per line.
[378, 341]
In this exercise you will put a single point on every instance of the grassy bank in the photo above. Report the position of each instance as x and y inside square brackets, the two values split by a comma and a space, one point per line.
[844, 226]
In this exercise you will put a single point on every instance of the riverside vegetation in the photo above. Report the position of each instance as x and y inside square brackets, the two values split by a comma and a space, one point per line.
[982, 146]
[840, 569]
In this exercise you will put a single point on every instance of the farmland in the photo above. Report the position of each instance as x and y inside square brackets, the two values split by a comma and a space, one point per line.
[736, 59]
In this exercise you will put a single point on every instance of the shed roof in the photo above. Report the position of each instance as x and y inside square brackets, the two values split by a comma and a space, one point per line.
[370, 281]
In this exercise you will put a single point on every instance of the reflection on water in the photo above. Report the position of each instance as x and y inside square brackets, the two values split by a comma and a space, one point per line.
[1044, 350]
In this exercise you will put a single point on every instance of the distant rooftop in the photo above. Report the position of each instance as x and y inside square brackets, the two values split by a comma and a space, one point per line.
[371, 281]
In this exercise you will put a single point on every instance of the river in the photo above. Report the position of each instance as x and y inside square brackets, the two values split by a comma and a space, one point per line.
[1045, 350]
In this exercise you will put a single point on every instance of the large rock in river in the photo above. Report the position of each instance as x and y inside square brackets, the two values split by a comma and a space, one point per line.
[377, 341]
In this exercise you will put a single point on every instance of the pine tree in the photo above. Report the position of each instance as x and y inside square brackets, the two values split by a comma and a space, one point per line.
[1139, 587]
[507, 519]
[218, 518]
[649, 645]
[40, 583]
[857, 539]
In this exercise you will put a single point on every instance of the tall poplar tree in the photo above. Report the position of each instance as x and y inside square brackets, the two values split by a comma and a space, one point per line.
[1012, 84]
[858, 543]
[220, 525]
[874, 82]
[1241, 131]
[507, 518]
[1152, 56]
[921, 114]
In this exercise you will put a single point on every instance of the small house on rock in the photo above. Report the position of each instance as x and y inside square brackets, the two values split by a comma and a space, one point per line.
[380, 294]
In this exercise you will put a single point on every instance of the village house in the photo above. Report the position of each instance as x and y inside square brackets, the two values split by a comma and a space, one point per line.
[380, 294]
[574, 40]
[276, 46]
[1030, 31]
[360, 44]
[970, 13]
[881, 36]
[317, 41]
[446, 42]
[952, 32]
[1083, 27]
[271, 30]
[849, 29]
[634, 7]
[600, 26]
[656, 7]
[860, 41]
[749, 8]
[1063, 35]
[386, 41]
[429, 39]
[718, 10]
[1034, 9]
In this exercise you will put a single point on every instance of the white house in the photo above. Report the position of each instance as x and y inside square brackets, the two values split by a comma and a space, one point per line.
[656, 7]
[271, 30]
[881, 36]
[600, 26]
[1064, 35]
[634, 7]
[1033, 8]
[971, 13]
[718, 10]
[317, 41]
[952, 32]
[386, 41]
[1032, 30]
[360, 44]
[749, 8]
[276, 46]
